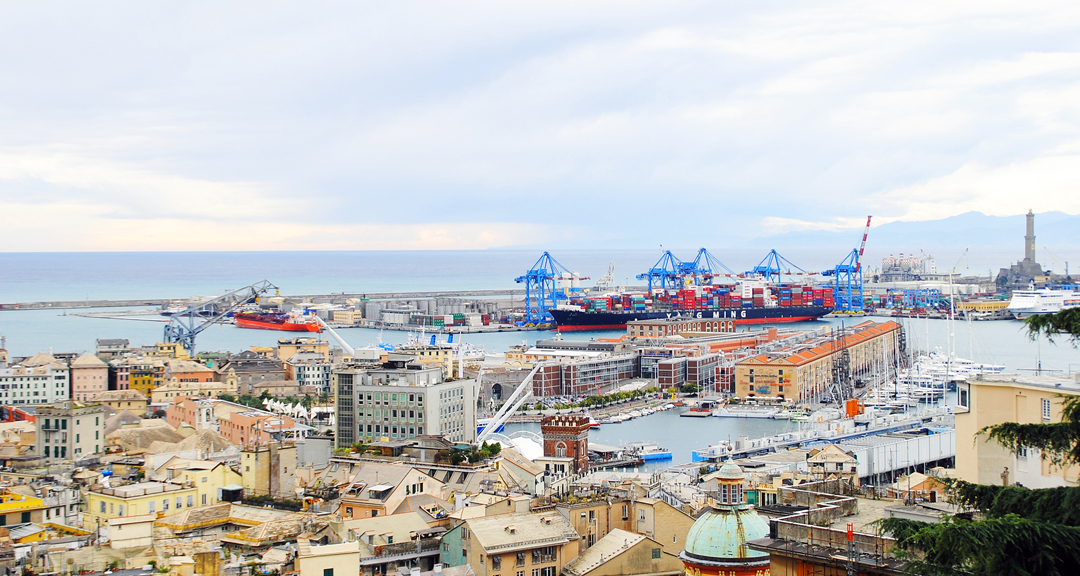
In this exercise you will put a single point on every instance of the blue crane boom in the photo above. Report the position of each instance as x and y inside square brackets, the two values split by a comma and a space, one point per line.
[848, 278]
[665, 273]
[183, 326]
[540, 292]
[773, 266]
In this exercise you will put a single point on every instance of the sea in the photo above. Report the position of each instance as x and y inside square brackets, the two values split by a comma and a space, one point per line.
[180, 275]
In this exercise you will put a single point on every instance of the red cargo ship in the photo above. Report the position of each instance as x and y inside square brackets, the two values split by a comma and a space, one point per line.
[277, 321]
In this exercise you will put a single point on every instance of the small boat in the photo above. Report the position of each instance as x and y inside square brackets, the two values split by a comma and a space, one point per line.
[648, 451]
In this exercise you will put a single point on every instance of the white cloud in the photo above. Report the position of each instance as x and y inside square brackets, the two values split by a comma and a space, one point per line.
[530, 122]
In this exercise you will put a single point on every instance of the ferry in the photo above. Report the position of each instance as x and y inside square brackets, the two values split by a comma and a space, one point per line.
[1028, 303]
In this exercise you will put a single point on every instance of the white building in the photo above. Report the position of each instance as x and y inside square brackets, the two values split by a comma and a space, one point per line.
[40, 379]
[70, 430]
[310, 369]
[403, 402]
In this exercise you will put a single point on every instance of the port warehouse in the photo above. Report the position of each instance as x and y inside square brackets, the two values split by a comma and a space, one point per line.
[802, 363]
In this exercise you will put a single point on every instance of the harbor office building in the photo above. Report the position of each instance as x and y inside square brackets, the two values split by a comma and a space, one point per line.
[400, 400]
[806, 369]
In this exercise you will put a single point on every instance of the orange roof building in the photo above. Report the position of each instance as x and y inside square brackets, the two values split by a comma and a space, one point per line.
[806, 370]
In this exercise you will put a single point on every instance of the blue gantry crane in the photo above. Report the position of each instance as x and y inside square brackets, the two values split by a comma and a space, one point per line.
[183, 326]
[541, 294]
[774, 266]
[706, 267]
[670, 272]
[848, 279]
[666, 272]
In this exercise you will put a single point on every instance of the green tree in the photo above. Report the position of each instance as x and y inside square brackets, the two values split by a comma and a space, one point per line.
[1022, 531]
[1066, 322]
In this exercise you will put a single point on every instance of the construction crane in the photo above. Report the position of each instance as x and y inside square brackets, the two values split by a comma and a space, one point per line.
[183, 326]
[512, 404]
[540, 291]
[1064, 265]
[774, 266]
[848, 278]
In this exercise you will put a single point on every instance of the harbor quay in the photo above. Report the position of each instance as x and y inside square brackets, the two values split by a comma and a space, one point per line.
[644, 419]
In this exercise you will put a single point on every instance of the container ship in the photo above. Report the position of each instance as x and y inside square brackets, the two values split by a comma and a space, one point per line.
[749, 302]
[277, 321]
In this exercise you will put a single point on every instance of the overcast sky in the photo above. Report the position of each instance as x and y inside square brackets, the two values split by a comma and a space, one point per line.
[406, 125]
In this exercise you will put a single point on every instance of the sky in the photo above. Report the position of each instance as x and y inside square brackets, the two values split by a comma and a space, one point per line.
[478, 125]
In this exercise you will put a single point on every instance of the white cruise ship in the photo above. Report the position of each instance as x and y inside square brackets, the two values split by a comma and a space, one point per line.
[1026, 303]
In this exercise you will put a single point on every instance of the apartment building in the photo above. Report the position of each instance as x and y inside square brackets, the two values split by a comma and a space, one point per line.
[401, 402]
[70, 430]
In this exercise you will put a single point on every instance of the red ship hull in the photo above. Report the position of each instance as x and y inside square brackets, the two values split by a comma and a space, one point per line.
[285, 326]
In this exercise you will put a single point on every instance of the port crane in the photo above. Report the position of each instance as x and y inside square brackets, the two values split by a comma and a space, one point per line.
[540, 290]
[774, 266]
[706, 267]
[670, 272]
[184, 325]
[665, 273]
[848, 278]
[1064, 265]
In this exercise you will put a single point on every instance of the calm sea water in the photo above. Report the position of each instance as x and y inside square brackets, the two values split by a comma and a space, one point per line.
[50, 276]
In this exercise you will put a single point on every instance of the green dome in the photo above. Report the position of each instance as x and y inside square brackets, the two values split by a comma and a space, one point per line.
[731, 471]
[722, 534]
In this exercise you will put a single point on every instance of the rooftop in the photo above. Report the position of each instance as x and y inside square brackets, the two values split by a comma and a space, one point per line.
[1061, 383]
[510, 532]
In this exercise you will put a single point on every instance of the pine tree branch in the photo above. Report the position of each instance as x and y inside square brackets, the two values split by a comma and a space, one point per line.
[1050, 325]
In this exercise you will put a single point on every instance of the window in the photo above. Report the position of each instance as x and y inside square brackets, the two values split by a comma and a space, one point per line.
[496, 562]
[165, 504]
[655, 553]
[190, 500]
[26, 517]
[77, 436]
[328, 572]
[625, 511]
[102, 507]
[1046, 410]
[204, 499]
[641, 517]
[153, 506]
[520, 560]
[481, 556]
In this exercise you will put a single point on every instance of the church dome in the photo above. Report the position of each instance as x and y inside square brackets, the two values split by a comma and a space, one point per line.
[716, 543]
[720, 535]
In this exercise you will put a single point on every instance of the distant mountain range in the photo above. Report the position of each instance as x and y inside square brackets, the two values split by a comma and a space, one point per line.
[1052, 229]
[994, 241]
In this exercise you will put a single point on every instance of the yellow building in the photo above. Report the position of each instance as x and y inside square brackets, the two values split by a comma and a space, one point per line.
[207, 476]
[19, 508]
[329, 560]
[994, 399]
[144, 373]
[130, 400]
[175, 390]
[431, 355]
[134, 499]
[623, 553]
[806, 370]
[290, 347]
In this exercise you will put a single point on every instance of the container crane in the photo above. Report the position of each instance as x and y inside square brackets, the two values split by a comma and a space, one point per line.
[183, 326]
[774, 266]
[665, 273]
[848, 278]
[706, 267]
[540, 291]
